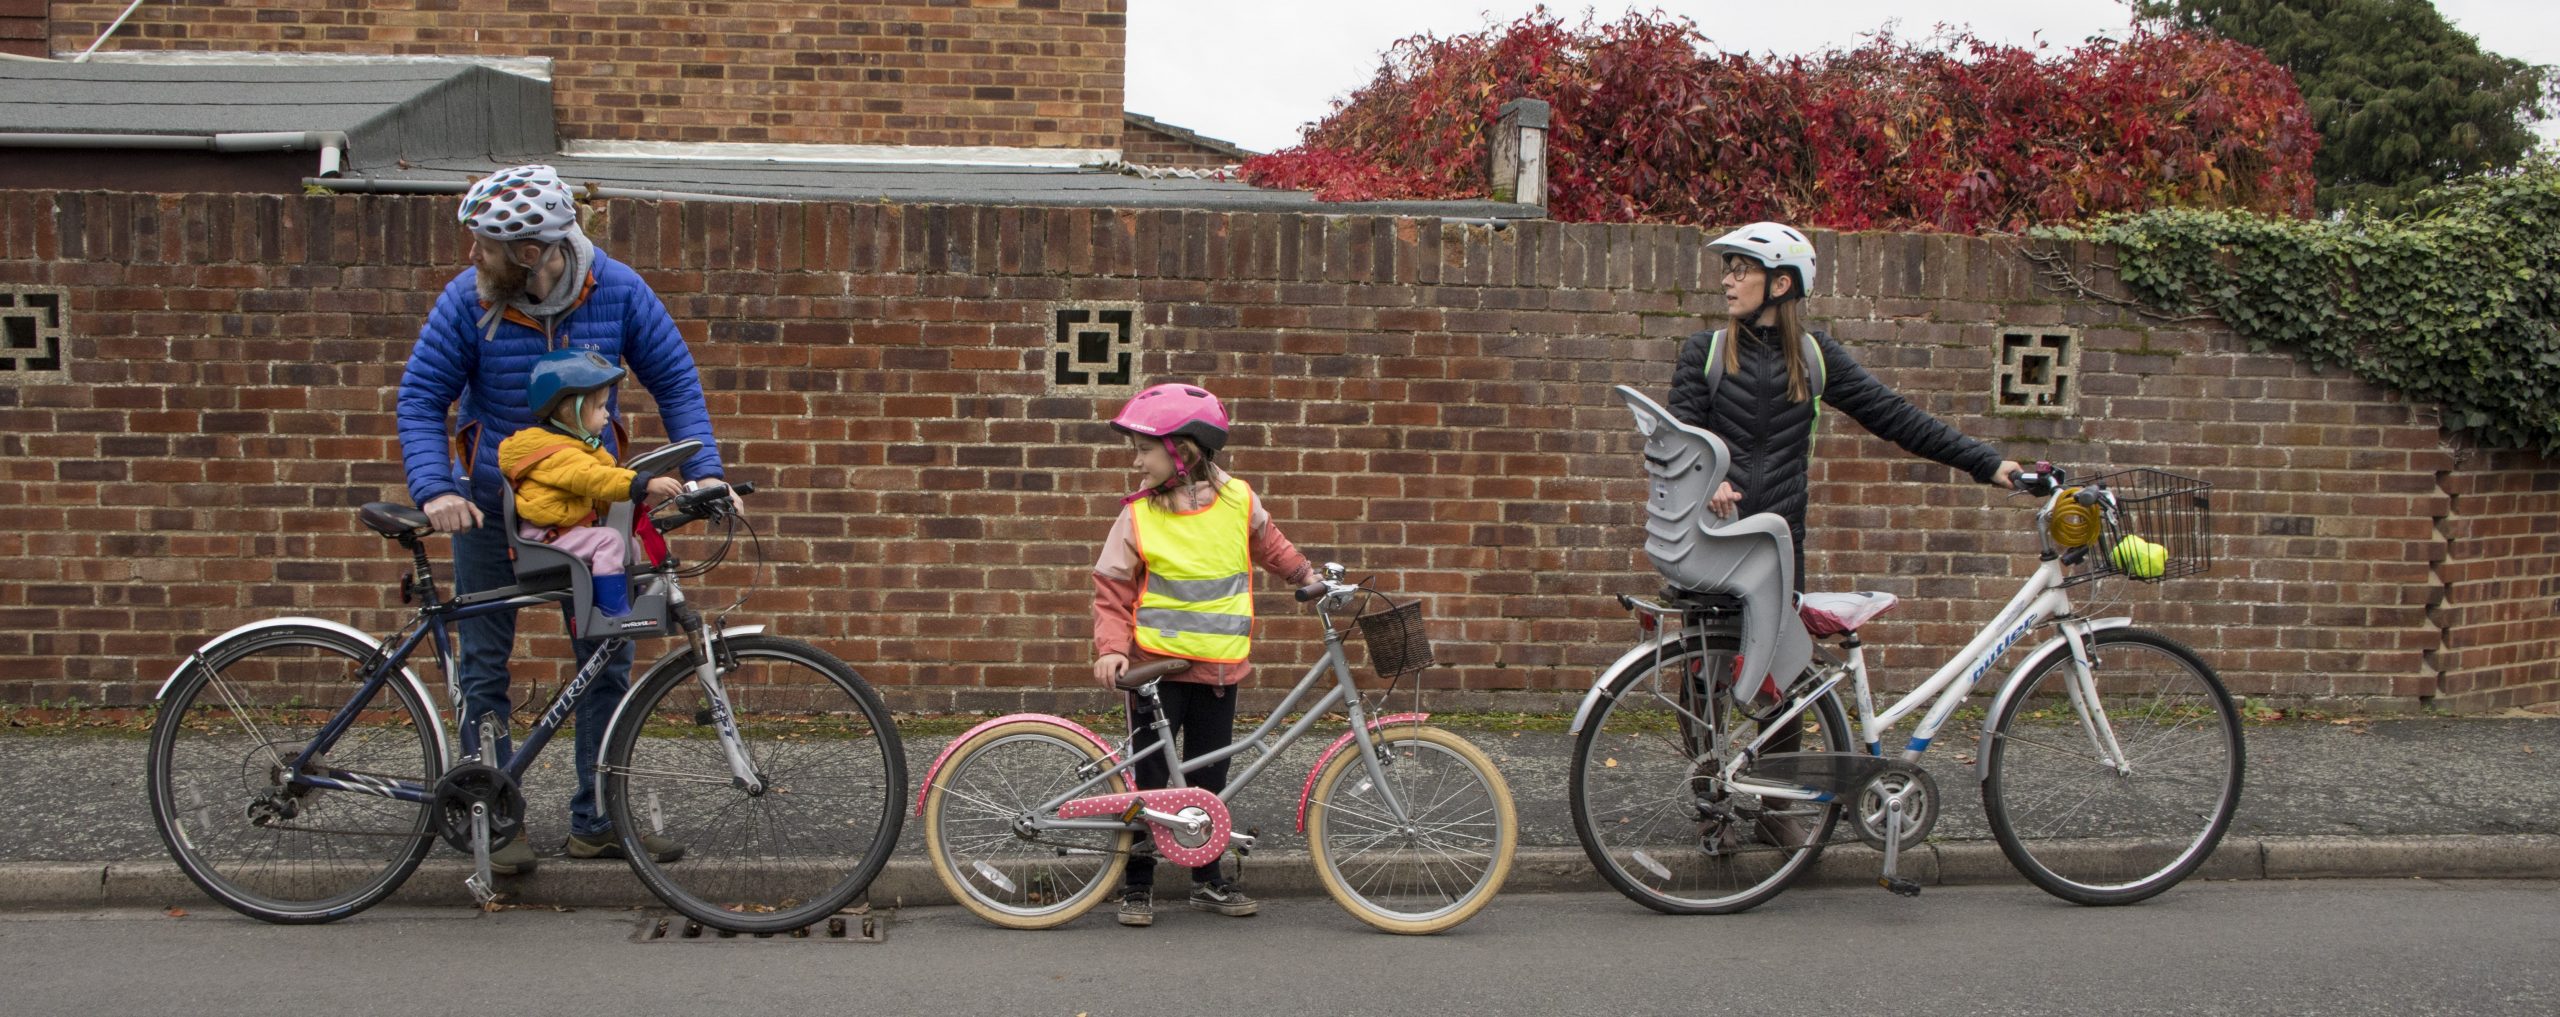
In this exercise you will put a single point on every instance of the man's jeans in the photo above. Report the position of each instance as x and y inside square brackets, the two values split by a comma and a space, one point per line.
[480, 563]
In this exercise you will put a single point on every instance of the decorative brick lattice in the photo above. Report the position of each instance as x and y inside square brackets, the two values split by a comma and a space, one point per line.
[31, 336]
[2035, 372]
[1093, 347]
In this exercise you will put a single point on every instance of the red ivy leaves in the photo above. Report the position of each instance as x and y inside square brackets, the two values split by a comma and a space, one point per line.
[1650, 125]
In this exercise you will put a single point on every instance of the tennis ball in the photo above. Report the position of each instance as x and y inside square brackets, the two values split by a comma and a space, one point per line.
[2139, 558]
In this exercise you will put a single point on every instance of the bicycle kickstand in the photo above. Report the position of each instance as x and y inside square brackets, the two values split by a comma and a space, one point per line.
[483, 888]
[1891, 878]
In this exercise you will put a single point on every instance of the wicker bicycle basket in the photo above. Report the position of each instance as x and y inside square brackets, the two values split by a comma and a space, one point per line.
[1397, 643]
[2163, 508]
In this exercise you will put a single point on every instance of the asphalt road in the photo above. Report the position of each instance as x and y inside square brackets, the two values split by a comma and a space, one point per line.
[2403, 947]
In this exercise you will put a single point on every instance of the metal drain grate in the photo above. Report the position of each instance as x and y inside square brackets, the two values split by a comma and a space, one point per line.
[855, 926]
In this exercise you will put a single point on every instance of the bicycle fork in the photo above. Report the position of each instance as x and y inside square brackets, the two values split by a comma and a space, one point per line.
[706, 646]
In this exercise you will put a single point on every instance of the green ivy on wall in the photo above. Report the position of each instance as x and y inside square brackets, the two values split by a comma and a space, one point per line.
[2457, 303]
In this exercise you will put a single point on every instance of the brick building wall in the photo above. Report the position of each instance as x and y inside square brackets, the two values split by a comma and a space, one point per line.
[1003, 73]
[1422, 400]
[1145, 142]
[23, 27]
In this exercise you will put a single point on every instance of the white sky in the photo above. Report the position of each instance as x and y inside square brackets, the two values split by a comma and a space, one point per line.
[1253, 71]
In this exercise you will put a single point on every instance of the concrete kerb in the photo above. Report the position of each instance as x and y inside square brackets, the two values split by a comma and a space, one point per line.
[1544, 869]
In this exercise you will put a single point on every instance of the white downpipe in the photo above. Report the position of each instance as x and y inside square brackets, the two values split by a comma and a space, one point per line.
[111, 30]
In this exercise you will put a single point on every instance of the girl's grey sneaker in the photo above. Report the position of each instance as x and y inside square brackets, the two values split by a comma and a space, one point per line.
[1138, 908]
[608, 844]
[1223, 898]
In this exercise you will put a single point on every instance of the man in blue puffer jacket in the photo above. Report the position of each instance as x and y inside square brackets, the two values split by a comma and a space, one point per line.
[537, 284]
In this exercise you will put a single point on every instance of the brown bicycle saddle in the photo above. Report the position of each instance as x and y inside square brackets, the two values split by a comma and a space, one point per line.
[1139, 675]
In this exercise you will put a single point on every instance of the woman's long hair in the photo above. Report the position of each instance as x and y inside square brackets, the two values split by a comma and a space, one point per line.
[1788, 333]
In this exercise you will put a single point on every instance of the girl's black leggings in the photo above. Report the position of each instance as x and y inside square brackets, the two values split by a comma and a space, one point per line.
[1203, 720]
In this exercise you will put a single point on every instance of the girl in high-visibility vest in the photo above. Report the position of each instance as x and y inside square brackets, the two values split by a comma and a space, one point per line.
[1175, 580]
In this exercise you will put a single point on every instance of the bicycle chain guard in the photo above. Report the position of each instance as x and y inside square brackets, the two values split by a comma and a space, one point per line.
[478, 784]
[1188, 850]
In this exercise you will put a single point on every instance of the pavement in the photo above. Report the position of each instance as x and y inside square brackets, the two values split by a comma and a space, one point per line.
[2401, 948]
[2366, 798]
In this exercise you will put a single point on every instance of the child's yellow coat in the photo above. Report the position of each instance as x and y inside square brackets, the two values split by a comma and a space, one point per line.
[569, 487]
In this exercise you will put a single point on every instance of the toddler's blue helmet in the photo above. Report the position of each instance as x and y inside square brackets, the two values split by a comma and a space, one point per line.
[564, 373]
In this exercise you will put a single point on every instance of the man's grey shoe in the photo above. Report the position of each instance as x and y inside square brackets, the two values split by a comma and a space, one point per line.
[608, 844]
[515, 859]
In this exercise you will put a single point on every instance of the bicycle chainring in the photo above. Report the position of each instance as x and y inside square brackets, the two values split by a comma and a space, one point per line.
[478, 784]
[1919, 805]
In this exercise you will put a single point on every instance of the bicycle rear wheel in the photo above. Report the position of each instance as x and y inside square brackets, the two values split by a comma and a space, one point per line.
[1439, 867]
[975, 832]
[1649, 813]
[226, 732]
[2094, 833]
[811, 840]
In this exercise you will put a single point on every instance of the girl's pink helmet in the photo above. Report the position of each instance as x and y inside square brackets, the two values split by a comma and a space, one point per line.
[1176, 410]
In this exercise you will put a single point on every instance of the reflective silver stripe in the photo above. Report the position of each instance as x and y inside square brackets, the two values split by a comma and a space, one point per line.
[1172, 621]
[1195, 591]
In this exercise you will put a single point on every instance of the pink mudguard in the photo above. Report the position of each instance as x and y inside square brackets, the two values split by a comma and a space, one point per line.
[1165, 799]
[936, 768]
[1375, 725]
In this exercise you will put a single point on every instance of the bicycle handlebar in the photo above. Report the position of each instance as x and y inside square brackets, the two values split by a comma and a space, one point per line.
[709, 501]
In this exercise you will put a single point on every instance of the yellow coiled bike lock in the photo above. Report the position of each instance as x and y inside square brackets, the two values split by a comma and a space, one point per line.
[2073, 524]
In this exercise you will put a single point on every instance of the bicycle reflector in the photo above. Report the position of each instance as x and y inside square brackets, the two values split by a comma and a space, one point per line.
[2072, 524]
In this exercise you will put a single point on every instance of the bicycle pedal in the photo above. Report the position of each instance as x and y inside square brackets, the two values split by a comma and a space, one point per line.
[1900, 887]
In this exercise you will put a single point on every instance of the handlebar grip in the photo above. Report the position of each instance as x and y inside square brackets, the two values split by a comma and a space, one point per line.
[1310, 592]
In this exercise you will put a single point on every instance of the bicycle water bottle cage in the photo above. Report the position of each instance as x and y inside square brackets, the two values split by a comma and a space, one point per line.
[1751, 558]
[542, 568]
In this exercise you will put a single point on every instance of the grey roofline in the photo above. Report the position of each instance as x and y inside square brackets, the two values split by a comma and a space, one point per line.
[1187, 135]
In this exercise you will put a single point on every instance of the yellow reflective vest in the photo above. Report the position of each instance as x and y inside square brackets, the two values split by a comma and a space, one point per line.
[1197, 601]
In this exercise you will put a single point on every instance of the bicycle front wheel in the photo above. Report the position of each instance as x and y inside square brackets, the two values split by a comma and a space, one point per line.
[2114, 805]
[227, 733]
[1647, 804]
[977, 831]
[806, 843]
[1448, 857]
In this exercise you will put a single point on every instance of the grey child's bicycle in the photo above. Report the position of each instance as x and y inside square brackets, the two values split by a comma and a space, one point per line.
[1029, 819]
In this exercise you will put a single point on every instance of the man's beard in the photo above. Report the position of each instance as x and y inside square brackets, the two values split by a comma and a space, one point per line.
[504, 286]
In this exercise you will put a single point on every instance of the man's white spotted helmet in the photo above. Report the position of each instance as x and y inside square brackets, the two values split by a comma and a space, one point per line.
[1774, 246]
[520, 203]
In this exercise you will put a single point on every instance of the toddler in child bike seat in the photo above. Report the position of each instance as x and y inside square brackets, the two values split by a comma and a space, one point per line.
[1174, 580]
[564, 479]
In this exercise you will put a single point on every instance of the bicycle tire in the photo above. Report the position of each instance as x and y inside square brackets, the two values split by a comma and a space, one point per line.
[776, 860]
[2094, 852]
[1006, 878]
[1427, 905]
[292, 871]
[1638, 818]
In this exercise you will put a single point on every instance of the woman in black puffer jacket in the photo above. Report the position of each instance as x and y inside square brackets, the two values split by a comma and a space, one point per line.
[1762, 402]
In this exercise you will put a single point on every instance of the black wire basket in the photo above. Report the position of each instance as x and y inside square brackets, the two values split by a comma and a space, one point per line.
[2153, 508]
[1397, 643]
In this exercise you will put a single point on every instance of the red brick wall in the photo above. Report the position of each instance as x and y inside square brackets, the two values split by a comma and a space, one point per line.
[2500, 604]
[23, 27]
[1007, 73]
[1146, 146]
[1425, 401]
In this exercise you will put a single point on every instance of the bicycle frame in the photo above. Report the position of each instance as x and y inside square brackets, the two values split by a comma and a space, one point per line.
[1344, 693]
[435, 620]
[2041, 598]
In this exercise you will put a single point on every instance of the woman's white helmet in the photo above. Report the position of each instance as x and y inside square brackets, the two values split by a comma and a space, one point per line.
[520, 203]
[1775, 246]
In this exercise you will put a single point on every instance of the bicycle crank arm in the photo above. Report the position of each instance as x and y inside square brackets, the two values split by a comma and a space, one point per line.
[1890, 879]
[1243, 840]
[483, 888]
[1191, 827]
